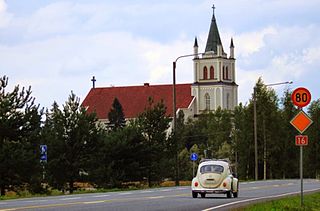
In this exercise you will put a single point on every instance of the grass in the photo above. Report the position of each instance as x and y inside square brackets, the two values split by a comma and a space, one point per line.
[82, 190]
[311, 203]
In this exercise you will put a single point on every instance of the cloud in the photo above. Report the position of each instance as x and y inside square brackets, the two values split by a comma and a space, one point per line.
[59, 47]
[277, 55]
[66, 63]
[5, 17]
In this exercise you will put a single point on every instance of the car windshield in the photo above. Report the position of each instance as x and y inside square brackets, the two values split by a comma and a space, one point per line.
[211, 169]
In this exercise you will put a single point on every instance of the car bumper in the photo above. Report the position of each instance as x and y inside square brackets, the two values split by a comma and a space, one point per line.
[216, 190]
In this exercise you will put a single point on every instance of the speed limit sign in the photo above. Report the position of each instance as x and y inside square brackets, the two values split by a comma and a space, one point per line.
[301, 97]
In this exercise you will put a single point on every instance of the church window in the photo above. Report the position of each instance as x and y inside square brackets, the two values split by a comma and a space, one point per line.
[228, 100]
[205, 73]
[207, 101]
[224, 73]
[211, 72]
[227, 73]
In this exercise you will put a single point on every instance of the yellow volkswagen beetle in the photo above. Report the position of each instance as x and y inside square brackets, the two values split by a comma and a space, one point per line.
[214, 177]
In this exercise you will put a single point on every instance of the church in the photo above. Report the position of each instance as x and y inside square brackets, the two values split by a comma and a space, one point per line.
[214, 85]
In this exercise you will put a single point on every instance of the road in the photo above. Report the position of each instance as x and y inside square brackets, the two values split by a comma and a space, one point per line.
[171, 198]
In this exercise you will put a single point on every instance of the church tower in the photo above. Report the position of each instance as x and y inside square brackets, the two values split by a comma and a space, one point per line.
[214, 74]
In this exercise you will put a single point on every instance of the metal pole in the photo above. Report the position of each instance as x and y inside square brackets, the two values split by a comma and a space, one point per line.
[192, 169]
[174, 98]
[264, 151]
[175, 122]
[255, 128]
[301, 173]
[255, 134]
[175, 111]
[43, 172]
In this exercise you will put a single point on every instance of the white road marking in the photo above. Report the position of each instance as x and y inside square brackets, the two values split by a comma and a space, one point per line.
[127, 193]
[181, 188]
[93, 202]
[255, 199]
[155, 197]
[98, 196]
[73, 198]
[31, 201]
[147, 191]
[165, 190]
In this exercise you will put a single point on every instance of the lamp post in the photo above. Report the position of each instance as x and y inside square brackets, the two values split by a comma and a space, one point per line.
[255, 129]
[175, 109]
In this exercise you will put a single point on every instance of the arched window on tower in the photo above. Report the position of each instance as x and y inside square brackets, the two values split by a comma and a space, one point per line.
[211, 72]
[205, 73]
[207, 101]
[228, 101]
[227, 73]
[223, 73]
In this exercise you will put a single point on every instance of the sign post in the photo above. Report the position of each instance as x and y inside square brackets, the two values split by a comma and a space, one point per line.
[193, 157]
[43, 158]
[301, 97]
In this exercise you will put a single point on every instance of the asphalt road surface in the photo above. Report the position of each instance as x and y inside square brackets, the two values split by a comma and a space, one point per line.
[172, 198]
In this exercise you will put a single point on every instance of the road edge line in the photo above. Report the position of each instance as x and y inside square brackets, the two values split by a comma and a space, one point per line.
[256, 199]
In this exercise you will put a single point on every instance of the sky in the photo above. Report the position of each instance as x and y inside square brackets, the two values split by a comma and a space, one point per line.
[56, 46]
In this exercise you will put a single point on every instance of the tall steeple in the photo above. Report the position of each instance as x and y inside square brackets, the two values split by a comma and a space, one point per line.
[213, 38]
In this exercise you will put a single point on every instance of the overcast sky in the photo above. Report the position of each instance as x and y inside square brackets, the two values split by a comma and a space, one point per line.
[57, 46]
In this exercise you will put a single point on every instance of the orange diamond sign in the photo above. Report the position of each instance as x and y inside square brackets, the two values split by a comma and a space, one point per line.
[301, 121]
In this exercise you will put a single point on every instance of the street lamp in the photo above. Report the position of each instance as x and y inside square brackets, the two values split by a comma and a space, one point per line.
[255, 127]
[175, 109]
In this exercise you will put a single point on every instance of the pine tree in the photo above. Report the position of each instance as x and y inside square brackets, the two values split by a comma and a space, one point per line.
[20, 121]
[153, 124]
[116, 116]
[72, 138]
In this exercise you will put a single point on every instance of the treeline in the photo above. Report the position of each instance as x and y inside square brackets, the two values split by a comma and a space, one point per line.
[82, 149]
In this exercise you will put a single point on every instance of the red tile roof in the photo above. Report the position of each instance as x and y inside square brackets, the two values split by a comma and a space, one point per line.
[134, 99]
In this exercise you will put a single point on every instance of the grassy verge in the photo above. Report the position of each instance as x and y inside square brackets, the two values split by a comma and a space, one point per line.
[54, 192]
[311, 202]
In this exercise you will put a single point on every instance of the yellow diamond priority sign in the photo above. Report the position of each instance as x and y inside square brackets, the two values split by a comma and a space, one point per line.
[301, 121]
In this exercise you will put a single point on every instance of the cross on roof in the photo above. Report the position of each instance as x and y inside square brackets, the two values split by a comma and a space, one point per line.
[93, 81]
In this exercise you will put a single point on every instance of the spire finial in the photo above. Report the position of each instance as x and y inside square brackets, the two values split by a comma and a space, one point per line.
[195, 42]
[213, 7]
[231, 44]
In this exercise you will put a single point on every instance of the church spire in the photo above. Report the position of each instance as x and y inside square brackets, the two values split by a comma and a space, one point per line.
[213, 38]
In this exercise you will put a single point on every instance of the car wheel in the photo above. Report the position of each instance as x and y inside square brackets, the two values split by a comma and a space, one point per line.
[194, 194]
[235, 194]
[229, 194]
[203, 195]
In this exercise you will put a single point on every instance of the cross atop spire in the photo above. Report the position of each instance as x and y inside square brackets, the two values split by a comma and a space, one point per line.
[213, 7]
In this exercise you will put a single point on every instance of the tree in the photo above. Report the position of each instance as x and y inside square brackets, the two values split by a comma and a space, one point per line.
[20, 121]
[289, 167]
[153, 124]
[116, 116]
[72, 138]
[243, 143]
[120, 158]
[312, 161]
